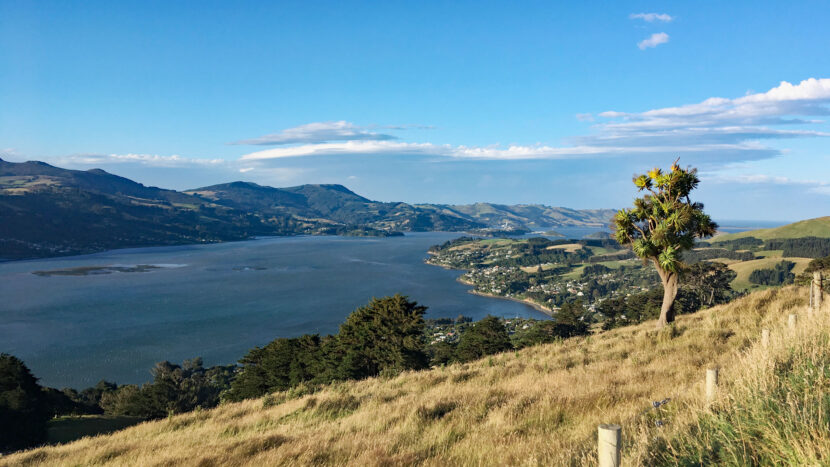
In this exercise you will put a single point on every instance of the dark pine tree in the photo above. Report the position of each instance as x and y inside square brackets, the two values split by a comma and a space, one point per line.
[23, 408]
[486, 337]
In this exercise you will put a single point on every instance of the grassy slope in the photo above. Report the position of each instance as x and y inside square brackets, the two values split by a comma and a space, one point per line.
[745, 268]
[774, 411]
[818, 227]
[538, 406]
[576, 273]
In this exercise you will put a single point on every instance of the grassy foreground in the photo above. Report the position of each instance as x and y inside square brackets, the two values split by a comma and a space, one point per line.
[537, 406]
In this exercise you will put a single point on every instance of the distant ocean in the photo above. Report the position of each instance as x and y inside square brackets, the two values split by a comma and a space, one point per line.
[732, 226]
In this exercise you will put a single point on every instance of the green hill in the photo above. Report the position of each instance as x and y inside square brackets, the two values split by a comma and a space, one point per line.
[50, 211]
[537, 406]
[333, 203]
[531, 216]
[818, 227]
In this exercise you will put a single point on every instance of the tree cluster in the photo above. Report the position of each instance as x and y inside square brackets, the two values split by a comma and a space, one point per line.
[805, 247]
[386, 336]
[780, 274]
[696, 256]
[24, 410]
[745, 243]
[174, 389]
[489, 336]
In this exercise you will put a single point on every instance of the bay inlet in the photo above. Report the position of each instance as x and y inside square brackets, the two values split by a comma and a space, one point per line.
[112, 315]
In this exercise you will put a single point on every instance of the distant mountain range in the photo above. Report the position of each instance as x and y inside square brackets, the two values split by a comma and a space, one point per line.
[50, 211]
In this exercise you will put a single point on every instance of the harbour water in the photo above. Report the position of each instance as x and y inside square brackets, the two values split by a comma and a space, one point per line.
[101, 316]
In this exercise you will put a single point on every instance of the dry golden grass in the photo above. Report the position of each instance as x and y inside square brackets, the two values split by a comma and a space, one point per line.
[772, 406]
[745, 268]
[569, 247]
[538, 406]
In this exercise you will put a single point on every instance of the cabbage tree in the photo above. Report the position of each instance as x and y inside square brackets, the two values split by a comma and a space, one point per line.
[663, 224]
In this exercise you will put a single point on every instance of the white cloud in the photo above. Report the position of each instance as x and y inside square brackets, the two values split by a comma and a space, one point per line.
[322, 132]
[153, 160]
[494, 152]
[811, 186]
[653, 41]
[808, 98]
[278, 175]
[424, 149]
[10, 153]
[716, 131]
[651, 17]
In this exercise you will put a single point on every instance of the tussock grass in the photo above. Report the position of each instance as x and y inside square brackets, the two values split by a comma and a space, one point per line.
[775, 411]
[537, 406]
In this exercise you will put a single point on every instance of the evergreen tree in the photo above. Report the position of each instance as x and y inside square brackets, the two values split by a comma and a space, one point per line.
[780, 274]
[486, 337]
[441, 353]
[23, 408]
[385, 335]
[280, 365]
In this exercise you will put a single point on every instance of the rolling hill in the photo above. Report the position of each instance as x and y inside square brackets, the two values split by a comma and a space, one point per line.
[537, 406]
[332, 203]
[530, 216]
[50, 211]
[818, 227]
[799, 242]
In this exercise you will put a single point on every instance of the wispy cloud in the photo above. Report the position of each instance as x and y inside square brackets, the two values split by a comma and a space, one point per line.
[10, 154]
[715, 131]
[652, 17]
[322, 132]
[653, 41]
[811, 186]
[742, 123]
[153, 160]
[780, 105]
[514, 152]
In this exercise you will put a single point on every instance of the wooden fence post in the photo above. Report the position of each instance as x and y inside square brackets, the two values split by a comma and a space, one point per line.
[792, 321]
[765, 338]
[816, 290]
[711, 385]
[608, 445]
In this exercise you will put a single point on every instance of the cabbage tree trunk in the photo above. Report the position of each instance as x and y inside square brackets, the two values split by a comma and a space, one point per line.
[669, 280]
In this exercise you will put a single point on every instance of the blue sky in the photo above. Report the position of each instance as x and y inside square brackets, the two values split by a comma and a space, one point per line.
[453, 102]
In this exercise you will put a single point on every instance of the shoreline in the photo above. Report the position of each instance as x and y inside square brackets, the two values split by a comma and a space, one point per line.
[473, 291]
[524, 301]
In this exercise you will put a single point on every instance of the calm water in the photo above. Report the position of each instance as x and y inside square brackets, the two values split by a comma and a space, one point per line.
[215, 301]
[218, 301]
